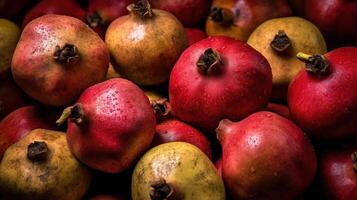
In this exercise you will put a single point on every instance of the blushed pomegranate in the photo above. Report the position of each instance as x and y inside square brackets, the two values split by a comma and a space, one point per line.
[323, 99]
[53, 65]
[218, 78]
[177, 131]
[265, 156]
[194, 35]
[110, 125]
[63, 7]
[20, 122]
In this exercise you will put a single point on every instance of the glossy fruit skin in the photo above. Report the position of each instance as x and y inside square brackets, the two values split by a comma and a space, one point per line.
[191, 13]
[47, 80]
[325, 106]
[63, 7]
[152, 45]
[11, 97]
[335, 18]
[108, 10]
[247, 15]
[176, 131]
[280, 109]
[204, 100]
[337, 176]
[119, 124]
[9, 34]
[10, 8]
[18, 123]
[194, 35]
[265, 156]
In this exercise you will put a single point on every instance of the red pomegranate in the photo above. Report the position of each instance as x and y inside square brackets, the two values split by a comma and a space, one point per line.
[177, 131]
[110, 125]
[338, 174]
[10, 8]
[280, 109]
[191, 13]
[194, 35]
[18, 123]
[63, 7]
[11, 97]
[323, 98]
[265, 156]
[218, 78]
[53, 65]
[102, 12]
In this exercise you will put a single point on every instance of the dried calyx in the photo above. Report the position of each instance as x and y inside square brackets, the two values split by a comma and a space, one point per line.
[94, 19]
[37, 151]
[141, 7]
[160, 190]
[222, 16]
[161, 106]
[315, 64]
[73, 113]
[209, 61]
[66, 54]
[281, 41]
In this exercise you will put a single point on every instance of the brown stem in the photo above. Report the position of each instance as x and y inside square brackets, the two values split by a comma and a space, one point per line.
[67, 54]
[208, 61]
[141, 7]
[354, 160]
[73, 113]
[160, 190]
[281, 41]
[222, 16]
[37, 151]
[94, 19]
[315, 64]
[161, 106]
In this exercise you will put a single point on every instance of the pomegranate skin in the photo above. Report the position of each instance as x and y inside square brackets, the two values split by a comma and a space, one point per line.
[64, 7]
[177, 131]
[280, 109]
[194, 35]
[190, 12]
[40, 65]
[118, 124]
[226, 91]
[337, 175]
[325, 106]
[265, 156]
[18, 123]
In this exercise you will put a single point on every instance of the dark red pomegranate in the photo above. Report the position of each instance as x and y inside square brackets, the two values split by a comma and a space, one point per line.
[323, 98]
[265, 156]
[63, 7]
[280, 109]
[194, 35]
[11, 97]
[335, 18]
[102, 12]
[18, 123]
[338, 174]
[177, 131]
[218, 165]
[10, 8]
[58, 57]
[219, 78]
[190, 12]
[110, 125]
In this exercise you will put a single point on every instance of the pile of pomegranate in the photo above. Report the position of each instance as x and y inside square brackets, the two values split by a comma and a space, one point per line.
[178, 100]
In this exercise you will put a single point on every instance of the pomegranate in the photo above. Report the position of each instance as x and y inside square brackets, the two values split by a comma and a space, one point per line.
[102, 12]
[63, 7]
[151, 40]
[9, 9]
[323, 99]
[280, 109]
[194, 35]
[338, 174]
[18, 123]
[53, 65]
[265, 156]
[191, 13]
[218, 78]
[335, 18]
[11, 97]
[218, 165]
[110, 125]
[239, 18]
[177, 131]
